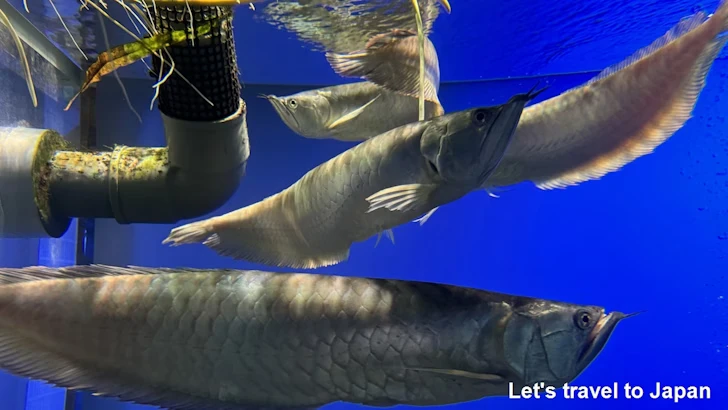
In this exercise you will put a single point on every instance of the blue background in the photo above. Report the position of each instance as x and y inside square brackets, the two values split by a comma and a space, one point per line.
[653, 236]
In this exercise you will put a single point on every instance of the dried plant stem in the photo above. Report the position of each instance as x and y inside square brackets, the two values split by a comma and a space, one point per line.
[421, 46]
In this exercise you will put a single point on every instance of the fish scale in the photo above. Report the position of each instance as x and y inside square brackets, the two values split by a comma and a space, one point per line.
[202, 333]
[216, 339]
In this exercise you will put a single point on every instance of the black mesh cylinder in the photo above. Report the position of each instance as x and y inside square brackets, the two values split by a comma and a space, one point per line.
[210, 63]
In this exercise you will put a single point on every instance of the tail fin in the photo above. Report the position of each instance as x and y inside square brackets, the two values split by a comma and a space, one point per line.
[266, 239]
[195, 232]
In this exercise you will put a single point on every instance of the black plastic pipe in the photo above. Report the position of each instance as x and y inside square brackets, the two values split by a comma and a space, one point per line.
[210, 63]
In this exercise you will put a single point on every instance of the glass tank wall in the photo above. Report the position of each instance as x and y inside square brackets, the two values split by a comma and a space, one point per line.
[651, 237]
[56, 78]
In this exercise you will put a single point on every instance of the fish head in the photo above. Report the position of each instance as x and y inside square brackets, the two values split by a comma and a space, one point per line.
[465, 147]
[553, 342]
[305, 113]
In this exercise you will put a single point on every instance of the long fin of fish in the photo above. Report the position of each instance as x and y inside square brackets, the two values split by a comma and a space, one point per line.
[388, 233]
[460, 373]
[194, 232]
[391, 60]
[401, 197]
[240, 238]
[25, 356]
[427, 216]
[353, 114]
[10, 276]
[557, 157]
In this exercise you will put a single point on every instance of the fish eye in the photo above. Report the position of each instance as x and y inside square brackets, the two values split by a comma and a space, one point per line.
[583, 319]
[292, 103]
[480, 117]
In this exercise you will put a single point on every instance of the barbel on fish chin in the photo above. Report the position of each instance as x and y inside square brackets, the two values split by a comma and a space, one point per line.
[379, 184]
[392, 61]
[348, 112]
[192, 339]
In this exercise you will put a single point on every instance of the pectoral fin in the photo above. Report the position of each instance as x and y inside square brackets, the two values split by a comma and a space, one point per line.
[461, 373]
[401, 197]
[351, 115]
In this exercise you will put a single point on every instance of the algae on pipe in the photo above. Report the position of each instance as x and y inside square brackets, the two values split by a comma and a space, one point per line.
[24, 157]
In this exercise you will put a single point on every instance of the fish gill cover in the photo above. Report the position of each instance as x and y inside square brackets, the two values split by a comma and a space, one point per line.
[343, 26]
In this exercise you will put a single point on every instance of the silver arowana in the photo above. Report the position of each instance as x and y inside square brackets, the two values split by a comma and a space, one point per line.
[358, 111]
[348, 112]
[620, 115]
[241, 340]
[379, 184]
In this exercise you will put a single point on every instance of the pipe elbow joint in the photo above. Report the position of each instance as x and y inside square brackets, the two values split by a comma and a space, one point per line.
[198, 171]
[207, 161]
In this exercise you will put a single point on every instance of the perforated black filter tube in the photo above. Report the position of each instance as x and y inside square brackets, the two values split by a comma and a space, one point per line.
[209, 63]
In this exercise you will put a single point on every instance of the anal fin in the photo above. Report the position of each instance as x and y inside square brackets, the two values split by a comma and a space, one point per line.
[388, 233]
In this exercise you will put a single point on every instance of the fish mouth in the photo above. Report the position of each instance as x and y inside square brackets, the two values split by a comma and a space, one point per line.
[599, 336]
[283, 111]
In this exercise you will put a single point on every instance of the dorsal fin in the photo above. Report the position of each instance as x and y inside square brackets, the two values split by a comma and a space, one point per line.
[686, 25]
[32, 273]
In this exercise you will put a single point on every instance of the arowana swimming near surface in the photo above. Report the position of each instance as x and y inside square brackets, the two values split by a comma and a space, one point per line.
[620, 115]
[359, 111]
[348, 112]
[188, 339]
[379, 184]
